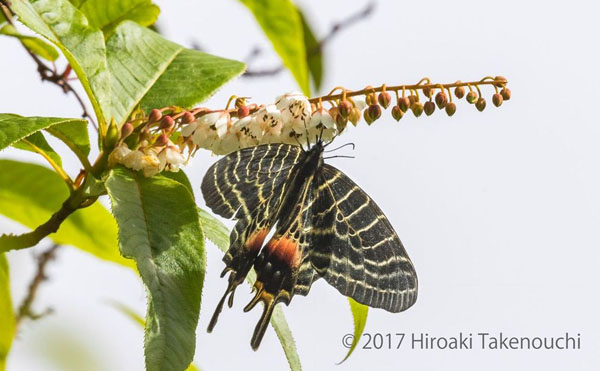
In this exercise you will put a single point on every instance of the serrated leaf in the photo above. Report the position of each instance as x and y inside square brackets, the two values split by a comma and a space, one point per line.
[14, 127]
[359, 315]
[7, 315]
[140, 321]
[30, 194]
[154, 72]
[36, 142]
[34, 44]
[107, 15]
[63, 24]
[216, 232]
[314, 54]
[74, 134]
[160, 229]
[191, 78]
[282, 25]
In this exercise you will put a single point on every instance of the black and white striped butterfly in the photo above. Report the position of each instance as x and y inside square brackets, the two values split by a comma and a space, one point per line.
[325, 226]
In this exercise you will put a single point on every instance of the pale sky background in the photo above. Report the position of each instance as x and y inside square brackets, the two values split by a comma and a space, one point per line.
[498, 210]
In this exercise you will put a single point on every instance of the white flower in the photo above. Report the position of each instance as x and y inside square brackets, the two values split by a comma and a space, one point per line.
[321, 125]
[295, 110]
[360, 103]
[249, 131]
[269, 118]
[229, 143]
[170, 158]
[189, 129]
[119, 153]
[133, 160]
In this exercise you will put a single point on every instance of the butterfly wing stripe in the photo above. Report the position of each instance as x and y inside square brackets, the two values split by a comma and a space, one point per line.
[355, 247]
[243, 179]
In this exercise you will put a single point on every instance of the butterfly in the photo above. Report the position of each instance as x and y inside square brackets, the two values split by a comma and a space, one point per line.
[324, 225]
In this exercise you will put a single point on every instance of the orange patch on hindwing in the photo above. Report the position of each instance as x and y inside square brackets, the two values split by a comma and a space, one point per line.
[256, 239]
[284, 249]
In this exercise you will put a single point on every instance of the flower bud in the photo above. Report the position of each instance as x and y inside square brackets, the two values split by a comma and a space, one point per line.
[404, 103]
[417, 108]
[167, 123]
[471, 97]
[112, 135]
[428, 91]
[374, 111]
[397, 113]
[126, 130]
[243, 111]
[240, 102]
[354, 116]
[145, 134]
[384, 99]
[497, 99]
[459, 92]
[344, 108]
[500, 81]
[371, 99]
[450, 108]
[441, 99]
[334, 112]
[429, 107]
[341, 123]
[480, 104]
[505, 93]
[155, 115]
[161, 141]
[188, 118]
[412, 99]
[367, 117]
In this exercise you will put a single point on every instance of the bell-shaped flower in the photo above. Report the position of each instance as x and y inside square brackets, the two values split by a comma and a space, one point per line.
[270, 120]
[321, 126]
[295, 111]
[170, 158]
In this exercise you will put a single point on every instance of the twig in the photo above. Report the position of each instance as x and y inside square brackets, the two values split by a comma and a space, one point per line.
[25, 310]
[50, 74]
[336, 28]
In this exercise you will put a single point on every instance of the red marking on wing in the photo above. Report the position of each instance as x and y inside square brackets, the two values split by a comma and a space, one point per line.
[256, 239]
[285, 249]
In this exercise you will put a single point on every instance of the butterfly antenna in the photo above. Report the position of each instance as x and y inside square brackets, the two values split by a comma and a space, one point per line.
[338, 156]
[340, 147]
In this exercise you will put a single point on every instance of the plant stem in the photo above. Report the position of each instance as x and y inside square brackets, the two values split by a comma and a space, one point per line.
[395, 88]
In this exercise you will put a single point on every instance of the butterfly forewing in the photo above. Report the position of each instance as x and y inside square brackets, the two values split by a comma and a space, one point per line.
[243, 179]
[355, 248]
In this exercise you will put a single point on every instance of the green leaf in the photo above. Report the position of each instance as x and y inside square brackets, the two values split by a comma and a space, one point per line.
[107, 15]
[140, 321]
[14, 127]
[34, 44]
[7, 315]
[192, 77]
[314, 54]
[148, 68]
[216, 232]
[82, 44]
[160, 229]
[37, 142]
[30, 194]
[74, 134]
[359, 314]
[282, 25]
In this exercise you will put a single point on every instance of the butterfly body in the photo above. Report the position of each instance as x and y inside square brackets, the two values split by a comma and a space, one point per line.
[324, 226]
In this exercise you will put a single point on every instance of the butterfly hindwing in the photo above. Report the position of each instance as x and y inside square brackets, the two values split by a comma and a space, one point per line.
[283, 267]
[355, 247]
